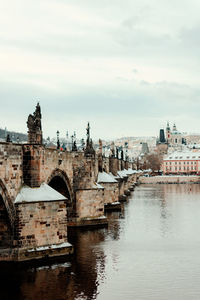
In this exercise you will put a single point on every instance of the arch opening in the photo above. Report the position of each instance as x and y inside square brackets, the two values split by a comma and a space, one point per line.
[58, 184]
[5, 226]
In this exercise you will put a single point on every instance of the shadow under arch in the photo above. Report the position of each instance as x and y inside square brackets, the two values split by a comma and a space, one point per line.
[7, 202]
[59, 181]
[7, 217]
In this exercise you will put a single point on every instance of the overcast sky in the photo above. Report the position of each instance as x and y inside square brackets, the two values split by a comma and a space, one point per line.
[127, 66]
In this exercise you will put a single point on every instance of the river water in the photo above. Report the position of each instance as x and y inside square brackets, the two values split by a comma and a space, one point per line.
[151, 250]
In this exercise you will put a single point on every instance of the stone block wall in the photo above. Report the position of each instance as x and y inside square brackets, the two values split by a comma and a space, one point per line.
[85, 170]
[126, 183]
[11, 157]
[121, 187]
[90, 203]
[113, 165]
[111, 192]
[80, 170]
[100, 163]
[54, 159]
[33, 162]
[126, 165]
[132, 179]
[106, 164]
[40, 224]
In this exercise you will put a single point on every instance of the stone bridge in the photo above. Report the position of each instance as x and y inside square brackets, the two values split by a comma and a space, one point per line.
[44, 190]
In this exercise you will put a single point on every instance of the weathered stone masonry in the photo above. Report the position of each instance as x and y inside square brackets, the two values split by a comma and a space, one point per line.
[42, 191]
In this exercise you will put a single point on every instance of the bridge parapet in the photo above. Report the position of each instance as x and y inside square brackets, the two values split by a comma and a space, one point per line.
[11, 170]
[106, 164]
[55, 159]
[114, 165]
[33, 161]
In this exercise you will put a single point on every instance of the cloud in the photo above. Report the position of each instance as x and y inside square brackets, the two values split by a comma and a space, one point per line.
[125, 65]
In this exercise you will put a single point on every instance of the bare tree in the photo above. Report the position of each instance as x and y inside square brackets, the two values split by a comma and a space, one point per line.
[153, 162]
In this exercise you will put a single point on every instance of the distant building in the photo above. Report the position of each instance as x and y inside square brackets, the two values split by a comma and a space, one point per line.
[161, 144]
[170, 140]
[174, 137]
[145, 149]
[185, 163]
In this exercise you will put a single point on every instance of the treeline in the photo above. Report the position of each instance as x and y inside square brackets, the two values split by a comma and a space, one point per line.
[14, 136]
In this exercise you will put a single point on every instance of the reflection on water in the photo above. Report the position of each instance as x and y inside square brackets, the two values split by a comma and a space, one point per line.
[151, 250]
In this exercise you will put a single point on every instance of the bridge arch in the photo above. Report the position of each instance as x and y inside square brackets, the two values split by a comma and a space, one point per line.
[7, 217]
[7, 202]
[59, 181]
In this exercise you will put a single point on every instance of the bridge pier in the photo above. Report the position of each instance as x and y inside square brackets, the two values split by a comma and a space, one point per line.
[111, 191]
[41, 224]
[89, 208]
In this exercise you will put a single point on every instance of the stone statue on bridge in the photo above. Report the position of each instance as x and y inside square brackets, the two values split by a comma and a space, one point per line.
[89, 150]
[100, 147]
[117, 152]
[35, 127]
[122, 154]
[74, 146]
[112, 150]
[8, 140]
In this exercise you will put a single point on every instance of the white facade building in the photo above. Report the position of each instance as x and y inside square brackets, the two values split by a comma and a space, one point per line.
[187, 163]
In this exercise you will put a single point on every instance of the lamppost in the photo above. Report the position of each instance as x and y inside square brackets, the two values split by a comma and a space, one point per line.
[67, 140]
[58, 141]
[83, 144]
[74, 146]
[72, 137]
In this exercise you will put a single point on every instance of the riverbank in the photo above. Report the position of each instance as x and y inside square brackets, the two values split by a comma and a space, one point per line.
[169, 179]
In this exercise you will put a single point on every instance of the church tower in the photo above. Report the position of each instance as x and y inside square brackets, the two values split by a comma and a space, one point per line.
[168, 132]
[174, 127]
[161, 144]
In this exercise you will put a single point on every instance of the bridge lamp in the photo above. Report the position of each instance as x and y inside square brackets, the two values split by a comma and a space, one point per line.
[58, 141]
